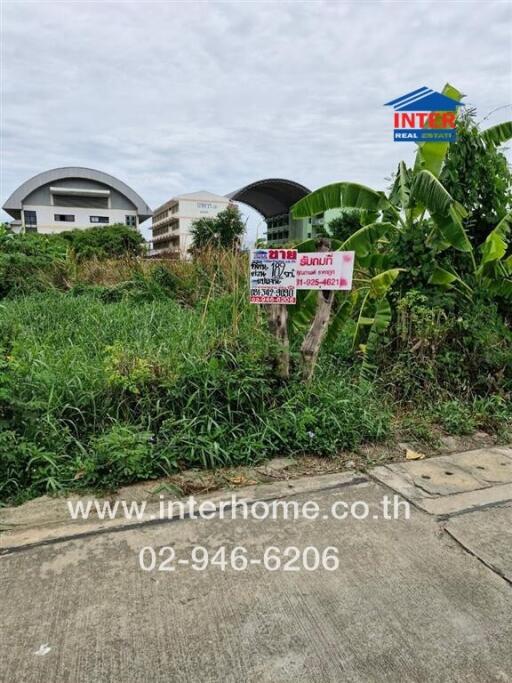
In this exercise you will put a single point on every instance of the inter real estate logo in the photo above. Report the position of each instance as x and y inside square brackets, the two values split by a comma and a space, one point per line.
[424, 115]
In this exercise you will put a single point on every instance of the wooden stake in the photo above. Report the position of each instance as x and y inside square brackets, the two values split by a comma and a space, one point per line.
[313, 340]
[278, 322]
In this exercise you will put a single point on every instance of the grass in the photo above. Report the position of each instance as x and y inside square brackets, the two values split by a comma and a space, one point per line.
[101, 394]
[114, 371]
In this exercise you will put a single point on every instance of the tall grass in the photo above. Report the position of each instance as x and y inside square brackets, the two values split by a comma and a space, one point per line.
[99, 393]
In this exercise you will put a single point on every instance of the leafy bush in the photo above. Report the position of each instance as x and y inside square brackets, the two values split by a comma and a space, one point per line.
[462, 348]
[30, 263]
[26, 468]
[477, 175]
[111, 241]
[343, 226]
[120, 455]
[33, 262]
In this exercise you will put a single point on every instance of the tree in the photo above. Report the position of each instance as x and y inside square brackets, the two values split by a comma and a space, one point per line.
[417, 205]
[223, 231]
[111, 241]
[341, 227]
[477, 175]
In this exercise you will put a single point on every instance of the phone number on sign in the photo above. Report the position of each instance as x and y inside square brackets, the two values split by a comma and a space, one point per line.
[290, 559]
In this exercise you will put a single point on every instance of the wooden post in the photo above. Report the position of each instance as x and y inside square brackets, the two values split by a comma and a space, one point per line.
[278, 322]
[313, 340]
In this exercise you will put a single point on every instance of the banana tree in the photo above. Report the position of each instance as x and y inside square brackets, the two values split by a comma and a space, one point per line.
[493, 272]
[417, 197]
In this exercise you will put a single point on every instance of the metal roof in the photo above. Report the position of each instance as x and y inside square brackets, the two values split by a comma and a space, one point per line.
[15, 201]
[270, 197]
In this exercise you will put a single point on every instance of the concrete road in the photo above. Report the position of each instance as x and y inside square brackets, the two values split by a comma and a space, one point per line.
[407, 603]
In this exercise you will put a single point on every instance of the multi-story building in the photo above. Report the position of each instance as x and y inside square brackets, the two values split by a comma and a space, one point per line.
[74, 197]
[173, 220]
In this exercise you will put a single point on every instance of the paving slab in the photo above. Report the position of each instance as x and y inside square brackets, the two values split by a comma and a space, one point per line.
[490, 466]
[407, 603]
[488, 536]
[460, 503]
[439, 476]
[452, 483]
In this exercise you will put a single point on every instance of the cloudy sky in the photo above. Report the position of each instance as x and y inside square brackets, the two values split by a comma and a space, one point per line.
[176, 97]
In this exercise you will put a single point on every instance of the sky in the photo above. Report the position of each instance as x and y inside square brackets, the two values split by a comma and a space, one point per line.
[176, 97]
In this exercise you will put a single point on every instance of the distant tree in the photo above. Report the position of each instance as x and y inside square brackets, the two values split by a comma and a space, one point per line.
[111, 241]
[477, 175]
[344, 225]
[223, 231]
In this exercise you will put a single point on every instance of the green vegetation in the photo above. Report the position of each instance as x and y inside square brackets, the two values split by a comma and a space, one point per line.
[224, 231]
[96, 394]
[32, 262]
[115, 368]
[414, 238]
[110, 241]
[344, 225]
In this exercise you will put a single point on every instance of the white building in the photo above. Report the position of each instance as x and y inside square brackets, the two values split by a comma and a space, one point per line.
[74, 197]
[173, 220]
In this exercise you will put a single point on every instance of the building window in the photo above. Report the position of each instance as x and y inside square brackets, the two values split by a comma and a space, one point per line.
[98, 219]
[131, 221]
[64, 217]
[30, 219]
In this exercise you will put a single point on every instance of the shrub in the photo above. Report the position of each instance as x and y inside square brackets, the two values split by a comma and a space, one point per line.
[120, 455]
[112, 241]
[28, 468]
[31, 263]
[462, 348]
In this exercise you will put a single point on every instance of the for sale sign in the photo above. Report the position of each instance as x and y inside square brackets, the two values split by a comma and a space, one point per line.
[325, 270]
[273, 274]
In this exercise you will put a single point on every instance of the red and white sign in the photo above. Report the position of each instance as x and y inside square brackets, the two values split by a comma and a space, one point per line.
[273, 276]
[325, 270]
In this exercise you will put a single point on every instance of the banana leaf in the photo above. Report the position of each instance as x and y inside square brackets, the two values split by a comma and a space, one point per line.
[380, 284]
[431, 155]
[496, 244]
[497, 135]
[445, 211]
[339, 195]
[363, 240]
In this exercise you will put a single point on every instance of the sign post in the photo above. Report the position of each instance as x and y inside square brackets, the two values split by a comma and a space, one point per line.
[275, 277]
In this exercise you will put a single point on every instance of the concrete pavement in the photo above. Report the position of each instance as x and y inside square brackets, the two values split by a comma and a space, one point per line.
[418, 599]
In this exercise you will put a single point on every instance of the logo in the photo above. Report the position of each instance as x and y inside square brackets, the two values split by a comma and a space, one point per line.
[424, 115]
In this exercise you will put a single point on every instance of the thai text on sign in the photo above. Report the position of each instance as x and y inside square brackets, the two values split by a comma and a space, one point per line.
[273, 276]
[325, 270]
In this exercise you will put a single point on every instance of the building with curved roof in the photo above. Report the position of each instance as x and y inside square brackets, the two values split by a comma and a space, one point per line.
[273, 199]
[74, 197]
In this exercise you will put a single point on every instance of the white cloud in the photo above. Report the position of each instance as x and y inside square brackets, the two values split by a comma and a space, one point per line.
[174, 97]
